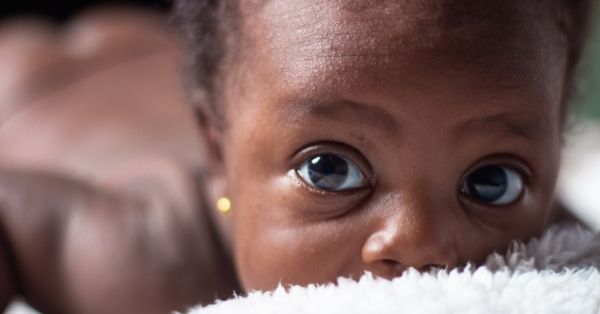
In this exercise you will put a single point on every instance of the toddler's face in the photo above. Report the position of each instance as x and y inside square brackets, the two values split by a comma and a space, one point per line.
[381, 135]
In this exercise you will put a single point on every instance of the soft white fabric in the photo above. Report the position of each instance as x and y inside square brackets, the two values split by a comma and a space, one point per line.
[559, 273]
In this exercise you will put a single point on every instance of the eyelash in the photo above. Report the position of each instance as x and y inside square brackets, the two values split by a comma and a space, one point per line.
[505, 160]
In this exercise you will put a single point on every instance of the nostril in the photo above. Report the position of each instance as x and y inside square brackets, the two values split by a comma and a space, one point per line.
[392, 268]
[390, 262]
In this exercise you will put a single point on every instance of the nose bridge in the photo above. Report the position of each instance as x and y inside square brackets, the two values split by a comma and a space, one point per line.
[415, 230]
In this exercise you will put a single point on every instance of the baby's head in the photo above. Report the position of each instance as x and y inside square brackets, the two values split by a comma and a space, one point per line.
[360, 135]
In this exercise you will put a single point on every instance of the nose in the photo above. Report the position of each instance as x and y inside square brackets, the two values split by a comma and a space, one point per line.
[412, 236]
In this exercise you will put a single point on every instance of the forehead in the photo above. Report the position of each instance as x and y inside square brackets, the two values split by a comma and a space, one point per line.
[310, 36]
[361, 26]
[463, 59]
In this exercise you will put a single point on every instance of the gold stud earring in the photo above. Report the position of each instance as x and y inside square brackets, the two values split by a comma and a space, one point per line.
[224, 205]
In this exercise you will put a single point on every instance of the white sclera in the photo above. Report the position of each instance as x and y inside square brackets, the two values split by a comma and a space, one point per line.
[513, 189]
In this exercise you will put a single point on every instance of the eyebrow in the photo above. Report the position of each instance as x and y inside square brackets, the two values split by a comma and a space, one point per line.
[504, 124]
[347, 112]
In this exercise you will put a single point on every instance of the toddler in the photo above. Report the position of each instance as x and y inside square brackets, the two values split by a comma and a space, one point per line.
[342, 137]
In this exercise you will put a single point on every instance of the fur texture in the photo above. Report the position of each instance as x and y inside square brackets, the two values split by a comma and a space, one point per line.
[557, 273]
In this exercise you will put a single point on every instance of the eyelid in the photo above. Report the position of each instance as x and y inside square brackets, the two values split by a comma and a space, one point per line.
[505, 160]
[346, 151]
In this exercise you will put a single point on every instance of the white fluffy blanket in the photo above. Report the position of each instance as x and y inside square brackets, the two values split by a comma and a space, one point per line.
[558, 273]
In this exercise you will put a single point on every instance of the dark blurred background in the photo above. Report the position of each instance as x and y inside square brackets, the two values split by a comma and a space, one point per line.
[60, 10]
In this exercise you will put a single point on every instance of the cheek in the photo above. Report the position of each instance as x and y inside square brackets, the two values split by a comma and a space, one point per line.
[272, 248]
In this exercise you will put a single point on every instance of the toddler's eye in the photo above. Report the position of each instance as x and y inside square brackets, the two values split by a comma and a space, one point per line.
[331, 172]
[494, 185]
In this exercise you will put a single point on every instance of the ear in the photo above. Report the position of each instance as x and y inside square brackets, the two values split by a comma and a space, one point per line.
[216, 183]
[212, 136]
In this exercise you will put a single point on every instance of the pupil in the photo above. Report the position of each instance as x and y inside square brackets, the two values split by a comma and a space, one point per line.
[328, 171]
[487, 184]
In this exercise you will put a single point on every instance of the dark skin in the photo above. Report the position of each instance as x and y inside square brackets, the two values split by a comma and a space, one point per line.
[431, 105]
[415, 97]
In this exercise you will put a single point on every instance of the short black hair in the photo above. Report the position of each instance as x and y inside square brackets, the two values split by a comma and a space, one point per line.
[211, 29]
